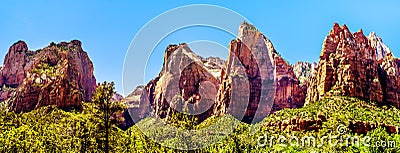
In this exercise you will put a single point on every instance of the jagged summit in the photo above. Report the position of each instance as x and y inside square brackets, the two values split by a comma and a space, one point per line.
[253, 57]
[248, 26]
[380, 48]
[355, 65]
[19, 46]
[376, 42]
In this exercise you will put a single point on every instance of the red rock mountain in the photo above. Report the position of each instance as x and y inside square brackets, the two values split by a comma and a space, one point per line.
[185, 77]
[60, 74]
[257, 80]
[254, 81]
[352, 64]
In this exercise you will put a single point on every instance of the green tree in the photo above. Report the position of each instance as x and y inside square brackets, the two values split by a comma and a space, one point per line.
[106, 110]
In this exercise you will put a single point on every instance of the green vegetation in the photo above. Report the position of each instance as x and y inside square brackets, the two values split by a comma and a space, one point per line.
[107, 111]
[67, 48]
[339, 111]
[49, 129]
[45, 68]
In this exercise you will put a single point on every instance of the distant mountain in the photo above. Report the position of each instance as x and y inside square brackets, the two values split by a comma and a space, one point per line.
[303, 71]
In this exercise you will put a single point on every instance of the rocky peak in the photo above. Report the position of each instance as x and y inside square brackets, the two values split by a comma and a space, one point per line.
[360, 37]
[380, 48]
[340, 31]
[355, 65]
[15, 64]
[187, 82]
[246, 30]
[19, 46]
[252, 67]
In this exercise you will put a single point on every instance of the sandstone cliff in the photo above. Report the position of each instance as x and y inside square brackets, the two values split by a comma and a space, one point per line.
[352, 64]
[257, 80]
[186, 83]
[60, 74]
[389, 76]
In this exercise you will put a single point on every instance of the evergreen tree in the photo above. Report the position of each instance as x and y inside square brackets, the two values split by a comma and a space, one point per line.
[106, 110]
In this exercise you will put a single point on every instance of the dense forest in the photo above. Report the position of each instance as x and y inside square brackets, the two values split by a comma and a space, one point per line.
[95, 129]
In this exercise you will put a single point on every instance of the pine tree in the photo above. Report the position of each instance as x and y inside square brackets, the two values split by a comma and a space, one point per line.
[106, 110]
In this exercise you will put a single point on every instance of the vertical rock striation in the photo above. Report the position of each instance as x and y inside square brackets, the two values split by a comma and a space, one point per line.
[60, 74]
[352, 64]
[257, 80]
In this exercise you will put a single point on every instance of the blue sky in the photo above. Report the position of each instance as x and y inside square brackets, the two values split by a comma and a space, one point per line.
[106, 29]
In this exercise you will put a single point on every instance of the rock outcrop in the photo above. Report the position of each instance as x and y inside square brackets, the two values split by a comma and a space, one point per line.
[60, 74]
[389, 76]
[186, 83]
[298, 123]
[258, 80]
[117, 97]
[352, 64]
[363, 127]
[133, 101]
[347, 66]
[376, 43]
[16, 64]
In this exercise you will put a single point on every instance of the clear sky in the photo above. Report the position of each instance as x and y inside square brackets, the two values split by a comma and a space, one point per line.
[106, 28]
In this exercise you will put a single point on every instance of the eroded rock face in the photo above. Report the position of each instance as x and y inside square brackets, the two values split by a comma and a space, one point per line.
[347, 66]
[187, 82]
[380, 48]
[298, 123]
[16, 64]
[60, 74]
[389, 73]
[290, 93]
[257, 81]
[363, 127]
[354, 65]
